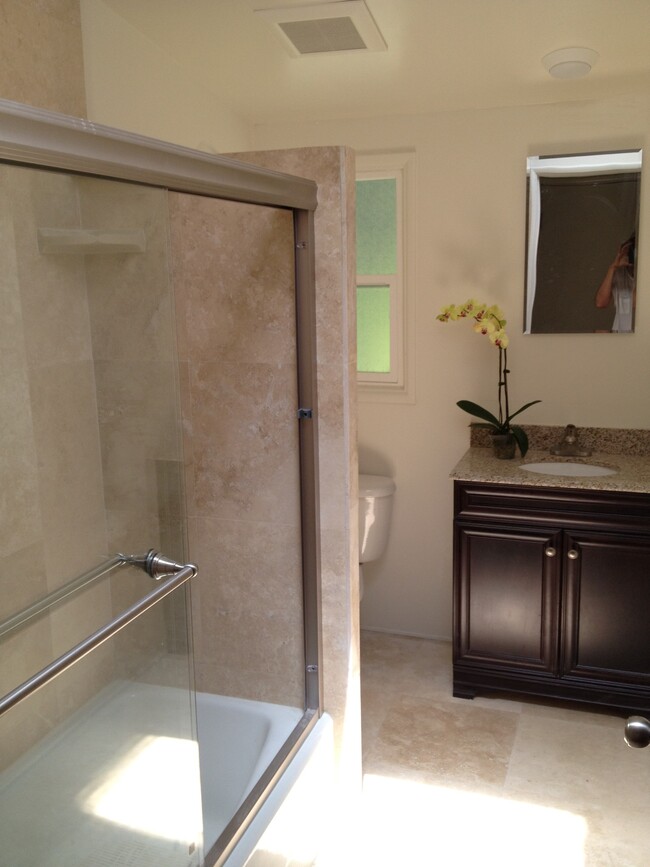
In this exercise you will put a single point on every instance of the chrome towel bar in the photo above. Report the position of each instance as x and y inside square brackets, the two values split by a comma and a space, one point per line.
[154, 564]
[83, 648]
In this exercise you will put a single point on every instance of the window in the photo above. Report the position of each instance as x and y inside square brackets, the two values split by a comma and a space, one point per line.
[381, 199]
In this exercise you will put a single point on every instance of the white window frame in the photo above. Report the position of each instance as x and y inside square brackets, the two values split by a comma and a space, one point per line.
[397, 384]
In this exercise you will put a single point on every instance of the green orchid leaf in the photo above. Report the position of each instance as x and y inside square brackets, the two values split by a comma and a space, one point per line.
[520, 435]
[521, 409]
[478, 411]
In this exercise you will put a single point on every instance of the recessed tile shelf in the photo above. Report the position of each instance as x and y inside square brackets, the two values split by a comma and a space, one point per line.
[88, 241]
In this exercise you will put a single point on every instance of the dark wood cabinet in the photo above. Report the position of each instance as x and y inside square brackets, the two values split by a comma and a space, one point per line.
[552, 594]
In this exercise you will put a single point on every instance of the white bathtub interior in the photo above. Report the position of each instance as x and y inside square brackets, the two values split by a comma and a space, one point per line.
[120, 783]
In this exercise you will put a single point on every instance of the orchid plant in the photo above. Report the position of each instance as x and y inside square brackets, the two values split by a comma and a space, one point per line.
[490, 321]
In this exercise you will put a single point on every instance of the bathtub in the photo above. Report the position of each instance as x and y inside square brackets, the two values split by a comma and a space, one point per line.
[121, 778]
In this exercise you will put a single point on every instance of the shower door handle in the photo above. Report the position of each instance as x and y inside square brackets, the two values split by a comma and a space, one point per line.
[637, 732]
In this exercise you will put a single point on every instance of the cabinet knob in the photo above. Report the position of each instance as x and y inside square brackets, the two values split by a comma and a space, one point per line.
[573, 554]
[637, 732]
[550, 552]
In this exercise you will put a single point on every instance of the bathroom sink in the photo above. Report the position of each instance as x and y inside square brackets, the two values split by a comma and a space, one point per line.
[568, 468]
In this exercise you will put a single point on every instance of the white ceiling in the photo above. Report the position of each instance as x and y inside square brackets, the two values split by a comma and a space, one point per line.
[442, 55]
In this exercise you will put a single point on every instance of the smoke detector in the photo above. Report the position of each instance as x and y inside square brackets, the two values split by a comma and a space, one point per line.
[344, 26]
[570, 62]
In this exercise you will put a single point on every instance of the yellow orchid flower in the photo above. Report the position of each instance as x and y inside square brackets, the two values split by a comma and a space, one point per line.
[489, 320]
[469, 308]
[447, 313]
[484, 327]
[499, 338]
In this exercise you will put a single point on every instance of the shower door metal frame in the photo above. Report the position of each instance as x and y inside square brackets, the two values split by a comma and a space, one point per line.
[40, 139]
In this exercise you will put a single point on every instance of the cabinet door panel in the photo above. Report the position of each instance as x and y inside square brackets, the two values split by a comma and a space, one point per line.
[507, 597]
[607, 608]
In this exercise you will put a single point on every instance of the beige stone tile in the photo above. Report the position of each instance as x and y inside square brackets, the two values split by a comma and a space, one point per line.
[571, 783]
[12, 341]
[70, 477]
[130, 295]
[406, 665]
[131, 531]
[52, 287]
[139, 425]
[25, 724]
[32, 45]
[325, 166]
[237, 295]
[591, 762]
[618, 834]
[246, 644]
[22, 579]
[438, 742]
[20, 507]
[245, 442]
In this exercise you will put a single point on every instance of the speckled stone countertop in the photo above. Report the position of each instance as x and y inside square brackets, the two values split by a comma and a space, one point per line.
[626, 451]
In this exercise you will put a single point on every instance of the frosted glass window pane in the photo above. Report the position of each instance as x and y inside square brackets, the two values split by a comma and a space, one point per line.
[377, 226]
[373, 329]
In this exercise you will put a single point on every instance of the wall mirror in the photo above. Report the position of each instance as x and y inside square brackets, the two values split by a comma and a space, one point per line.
[581, 257]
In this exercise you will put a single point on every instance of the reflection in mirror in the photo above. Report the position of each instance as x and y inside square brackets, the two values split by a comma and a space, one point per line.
[582, 225]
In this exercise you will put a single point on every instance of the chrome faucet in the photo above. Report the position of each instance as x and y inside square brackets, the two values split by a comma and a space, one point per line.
[569, 445]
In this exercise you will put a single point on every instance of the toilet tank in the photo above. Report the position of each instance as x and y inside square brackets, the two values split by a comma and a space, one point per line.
[375, 507]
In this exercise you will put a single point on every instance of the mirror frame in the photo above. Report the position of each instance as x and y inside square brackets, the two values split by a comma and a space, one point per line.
[573, 165]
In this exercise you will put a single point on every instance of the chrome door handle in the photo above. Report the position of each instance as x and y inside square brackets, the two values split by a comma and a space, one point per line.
[550, 552]
[573, 554]
[637, 732]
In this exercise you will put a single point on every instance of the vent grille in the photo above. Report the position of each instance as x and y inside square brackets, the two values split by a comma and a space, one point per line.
[325, 28]
[324, 34]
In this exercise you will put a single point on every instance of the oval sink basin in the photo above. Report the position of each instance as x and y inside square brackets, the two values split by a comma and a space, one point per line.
[568, 468]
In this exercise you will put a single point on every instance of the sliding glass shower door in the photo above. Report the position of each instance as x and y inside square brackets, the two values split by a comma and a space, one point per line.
[99, 765]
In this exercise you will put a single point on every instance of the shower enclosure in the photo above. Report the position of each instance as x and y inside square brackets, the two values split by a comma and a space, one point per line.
[158, 407]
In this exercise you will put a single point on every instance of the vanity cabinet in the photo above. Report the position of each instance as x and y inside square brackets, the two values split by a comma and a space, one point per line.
[552, 593]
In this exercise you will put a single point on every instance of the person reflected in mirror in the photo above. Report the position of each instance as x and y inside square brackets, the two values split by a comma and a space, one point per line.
[619, 286]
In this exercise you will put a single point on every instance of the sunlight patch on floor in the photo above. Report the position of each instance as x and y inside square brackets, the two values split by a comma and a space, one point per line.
[405, 822]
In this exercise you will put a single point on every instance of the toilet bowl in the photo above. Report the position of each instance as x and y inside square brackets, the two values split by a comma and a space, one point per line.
[375, 508]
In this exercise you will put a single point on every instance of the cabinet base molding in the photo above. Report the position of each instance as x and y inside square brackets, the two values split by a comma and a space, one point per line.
[613, 696]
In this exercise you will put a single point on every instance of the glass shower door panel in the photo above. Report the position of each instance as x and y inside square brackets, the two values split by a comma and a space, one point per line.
[113, 776]
[97, 766]
[239, 383]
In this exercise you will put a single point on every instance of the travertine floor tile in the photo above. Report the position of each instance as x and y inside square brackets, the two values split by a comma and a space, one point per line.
[437, 741]
[495, 781]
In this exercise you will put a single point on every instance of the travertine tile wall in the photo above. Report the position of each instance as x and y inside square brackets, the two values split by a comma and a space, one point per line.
[234, 284]
[133, 334]
[32, 47]
[333, 170]
[91, 430]
[53, 520]
[42, 55]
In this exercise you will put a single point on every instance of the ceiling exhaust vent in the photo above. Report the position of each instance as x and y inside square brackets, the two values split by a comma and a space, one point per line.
[323, 28]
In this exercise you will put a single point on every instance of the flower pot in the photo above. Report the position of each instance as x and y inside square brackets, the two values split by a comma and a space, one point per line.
[504, 446]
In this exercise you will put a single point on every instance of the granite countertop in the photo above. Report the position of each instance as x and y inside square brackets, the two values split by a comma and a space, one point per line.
[478, 464]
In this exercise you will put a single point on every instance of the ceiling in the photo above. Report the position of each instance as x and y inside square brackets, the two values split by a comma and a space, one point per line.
[442, 55]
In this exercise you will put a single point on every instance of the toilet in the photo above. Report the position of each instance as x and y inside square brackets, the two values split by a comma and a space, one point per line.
[375, 507]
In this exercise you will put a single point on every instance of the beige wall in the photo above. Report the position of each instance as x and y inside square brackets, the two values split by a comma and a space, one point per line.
[469, 219]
